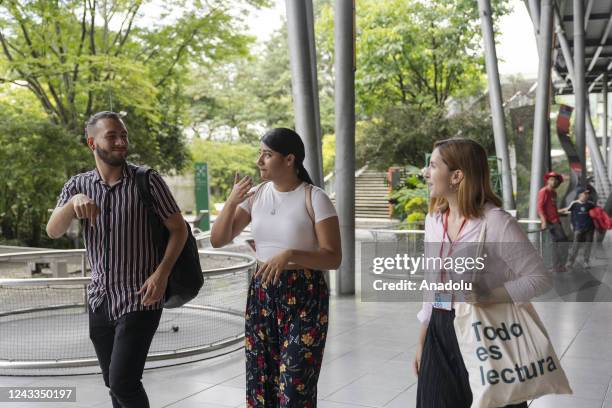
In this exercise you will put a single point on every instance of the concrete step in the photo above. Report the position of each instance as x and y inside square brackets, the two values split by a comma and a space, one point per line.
[371, 204]
[370, 190]
[376, 204]
[368, 215]
[371, 193]
[375, 197]
[373, 174]
[372, 209]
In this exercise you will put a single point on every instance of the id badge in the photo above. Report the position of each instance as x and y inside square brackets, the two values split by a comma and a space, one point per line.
[443, 301]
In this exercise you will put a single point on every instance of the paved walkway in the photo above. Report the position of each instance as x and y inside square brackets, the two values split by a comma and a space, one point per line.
[368, 361]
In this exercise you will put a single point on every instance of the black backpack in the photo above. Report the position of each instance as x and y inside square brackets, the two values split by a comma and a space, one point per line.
[186, 278]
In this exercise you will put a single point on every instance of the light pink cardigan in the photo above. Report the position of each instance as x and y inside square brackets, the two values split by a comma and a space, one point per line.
[511, 261]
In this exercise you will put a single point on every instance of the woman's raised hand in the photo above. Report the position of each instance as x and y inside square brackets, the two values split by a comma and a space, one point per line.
[240, 191]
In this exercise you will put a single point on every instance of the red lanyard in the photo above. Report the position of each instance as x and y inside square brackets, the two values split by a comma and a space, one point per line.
[445, 234]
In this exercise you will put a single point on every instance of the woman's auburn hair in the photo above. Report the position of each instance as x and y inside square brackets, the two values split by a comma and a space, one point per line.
[475, 189]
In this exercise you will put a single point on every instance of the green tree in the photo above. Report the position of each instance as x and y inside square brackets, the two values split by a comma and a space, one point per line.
[403, 135]
[272, 81]
[224, 104]
[412, 58]
[410, 199]
[399, 136]
[78, 57]
[237, 100]
[329, 153]
[36, 157]
[224, 161]
[420, 53]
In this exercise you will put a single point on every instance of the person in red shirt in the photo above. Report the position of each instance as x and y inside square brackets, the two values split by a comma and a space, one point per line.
[549, 217]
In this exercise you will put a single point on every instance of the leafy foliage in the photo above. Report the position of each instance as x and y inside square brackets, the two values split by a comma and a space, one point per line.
[413, 58]
[410, 199]
[37, 156]
[329, 153]
[78, 57]
[62, 61]
[224, 161]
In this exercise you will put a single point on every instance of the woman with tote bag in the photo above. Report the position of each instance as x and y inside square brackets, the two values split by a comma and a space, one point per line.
[462, 205]
[297, 236]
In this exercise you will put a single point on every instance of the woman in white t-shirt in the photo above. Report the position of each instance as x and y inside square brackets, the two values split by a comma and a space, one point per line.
[297, 235]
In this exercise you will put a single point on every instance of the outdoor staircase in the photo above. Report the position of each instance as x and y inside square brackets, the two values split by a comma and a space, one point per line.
[371, 194]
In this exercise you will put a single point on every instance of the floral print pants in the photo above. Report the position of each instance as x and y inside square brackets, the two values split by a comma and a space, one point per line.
[285, 331]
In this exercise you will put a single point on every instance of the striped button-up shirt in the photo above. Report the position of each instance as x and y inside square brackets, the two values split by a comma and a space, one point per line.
[119, 244]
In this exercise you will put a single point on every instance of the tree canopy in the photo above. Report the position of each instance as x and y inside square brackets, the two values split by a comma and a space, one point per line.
[62, 61]
[412, 58]
[79, 57]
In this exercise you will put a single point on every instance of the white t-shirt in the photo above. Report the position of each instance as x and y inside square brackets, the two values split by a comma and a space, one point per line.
[280, 220]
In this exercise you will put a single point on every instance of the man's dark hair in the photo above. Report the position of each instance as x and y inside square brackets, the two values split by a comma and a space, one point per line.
[93, 119]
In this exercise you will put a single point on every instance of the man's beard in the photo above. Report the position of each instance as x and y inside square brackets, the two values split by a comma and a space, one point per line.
[107, 157]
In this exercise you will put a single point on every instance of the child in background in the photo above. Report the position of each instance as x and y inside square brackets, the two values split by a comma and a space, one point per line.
[582, 223]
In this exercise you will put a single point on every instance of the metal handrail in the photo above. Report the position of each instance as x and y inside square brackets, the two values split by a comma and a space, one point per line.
[249, 263]
[399, 232]
[539, 231]
[413, 231]
[156, 356]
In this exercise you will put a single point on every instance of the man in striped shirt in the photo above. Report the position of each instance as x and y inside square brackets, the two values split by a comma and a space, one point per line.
[129, 273]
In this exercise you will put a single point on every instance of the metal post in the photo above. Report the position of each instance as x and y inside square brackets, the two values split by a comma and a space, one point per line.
[315, 84]
[301, 85]
[609, 153]
[495, 100]
[534, 12]
[541, 110]
[579, 86]
[345, 139]
[565, 48]
[597, 159]
[604, 130]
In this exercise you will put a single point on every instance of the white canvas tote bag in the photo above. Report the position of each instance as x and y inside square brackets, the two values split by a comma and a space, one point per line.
[507, 352]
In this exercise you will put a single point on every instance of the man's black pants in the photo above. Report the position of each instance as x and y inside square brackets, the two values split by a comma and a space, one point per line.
[122, 346]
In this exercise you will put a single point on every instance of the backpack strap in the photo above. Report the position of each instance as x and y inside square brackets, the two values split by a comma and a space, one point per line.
[143, 187]
[309, 209]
